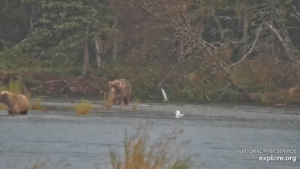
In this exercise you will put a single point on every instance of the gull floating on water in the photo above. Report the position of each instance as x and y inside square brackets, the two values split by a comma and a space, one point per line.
[178, 115]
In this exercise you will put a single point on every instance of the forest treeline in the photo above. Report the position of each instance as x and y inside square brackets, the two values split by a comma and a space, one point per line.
[195, 49]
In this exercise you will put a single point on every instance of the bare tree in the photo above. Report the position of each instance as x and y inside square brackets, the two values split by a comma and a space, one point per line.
[86, 55]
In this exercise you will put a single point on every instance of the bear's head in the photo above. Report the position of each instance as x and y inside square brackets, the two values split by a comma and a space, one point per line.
[4, 97]
[115, 84]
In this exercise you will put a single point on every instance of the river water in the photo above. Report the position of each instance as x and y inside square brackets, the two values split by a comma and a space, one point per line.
[217, 133]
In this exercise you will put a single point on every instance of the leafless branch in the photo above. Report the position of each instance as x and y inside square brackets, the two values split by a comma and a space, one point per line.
[251, 49]
[283, 43]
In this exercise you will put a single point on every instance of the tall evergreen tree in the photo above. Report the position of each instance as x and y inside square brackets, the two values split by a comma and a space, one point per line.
[65, 30]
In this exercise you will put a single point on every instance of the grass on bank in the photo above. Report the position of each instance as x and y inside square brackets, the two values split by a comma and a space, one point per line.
[37, 105]
[12, 87]
[135, 104]
[2, 107]
[84, 107]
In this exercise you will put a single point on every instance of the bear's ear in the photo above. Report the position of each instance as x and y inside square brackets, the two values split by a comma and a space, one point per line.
[109, 83]
[4, 92]
[120, 83]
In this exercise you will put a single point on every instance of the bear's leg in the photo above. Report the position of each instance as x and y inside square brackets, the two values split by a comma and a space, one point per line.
[15, 110]
[24, 112]
[11, 111]
[118, 100]
[128, 97]
[125, 99]
[116, 97]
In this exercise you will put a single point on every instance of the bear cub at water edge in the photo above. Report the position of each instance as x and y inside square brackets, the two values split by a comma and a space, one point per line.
[16, 103]
[120, 88]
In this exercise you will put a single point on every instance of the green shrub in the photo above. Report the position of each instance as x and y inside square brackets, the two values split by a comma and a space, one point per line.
[13, 87]
[83, 108]
[37, 105]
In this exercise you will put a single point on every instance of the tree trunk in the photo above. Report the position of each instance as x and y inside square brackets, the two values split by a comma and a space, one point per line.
[98, 60]
[245, 35]
[181, 57]
[86, 56]
[219, 26]
[248, 96]
[97, 45]
[115, 50]
[115, 41]
[284, 42]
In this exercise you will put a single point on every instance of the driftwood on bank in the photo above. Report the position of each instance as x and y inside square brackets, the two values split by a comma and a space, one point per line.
[72, 86]
[57, 84]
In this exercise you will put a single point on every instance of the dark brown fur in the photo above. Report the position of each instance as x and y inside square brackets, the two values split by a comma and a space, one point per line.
[16, 103]
[121, 89]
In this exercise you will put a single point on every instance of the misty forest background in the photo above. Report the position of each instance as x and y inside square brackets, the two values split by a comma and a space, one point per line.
[228, 50]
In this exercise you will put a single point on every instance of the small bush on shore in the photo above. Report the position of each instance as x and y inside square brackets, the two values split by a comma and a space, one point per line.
[2, 106]
[37, 105]
[135, 104]
[84, 107]
[13, 87]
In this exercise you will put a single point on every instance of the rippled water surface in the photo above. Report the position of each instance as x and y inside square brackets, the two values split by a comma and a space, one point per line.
[216, 132]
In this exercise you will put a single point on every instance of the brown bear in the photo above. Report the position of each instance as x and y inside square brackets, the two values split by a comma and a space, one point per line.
[16, 103]
[121, 88]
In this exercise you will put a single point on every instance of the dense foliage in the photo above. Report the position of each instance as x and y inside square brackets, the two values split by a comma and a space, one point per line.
[195, 49]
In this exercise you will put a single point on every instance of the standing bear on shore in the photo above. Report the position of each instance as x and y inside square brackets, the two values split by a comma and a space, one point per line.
[121, 89]
[16, 103]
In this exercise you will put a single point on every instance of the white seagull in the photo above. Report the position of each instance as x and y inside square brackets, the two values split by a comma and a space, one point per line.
[178, 115]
